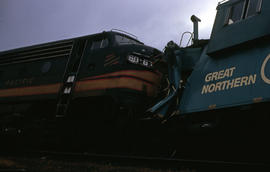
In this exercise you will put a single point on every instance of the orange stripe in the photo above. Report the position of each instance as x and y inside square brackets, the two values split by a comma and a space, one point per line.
[86, 85]
[146, 75]
[123, 82]
[27, 91]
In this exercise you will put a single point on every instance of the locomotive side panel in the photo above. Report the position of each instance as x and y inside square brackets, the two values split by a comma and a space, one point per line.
[28, 80]
[32, 75]
[232, 80]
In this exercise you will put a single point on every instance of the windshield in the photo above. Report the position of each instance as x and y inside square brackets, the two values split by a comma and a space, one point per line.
[122, 40]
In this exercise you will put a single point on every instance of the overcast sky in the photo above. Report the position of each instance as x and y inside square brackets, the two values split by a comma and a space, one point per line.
[155, 22]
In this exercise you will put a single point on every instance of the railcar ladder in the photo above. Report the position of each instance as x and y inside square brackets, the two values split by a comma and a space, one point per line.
[69, 80]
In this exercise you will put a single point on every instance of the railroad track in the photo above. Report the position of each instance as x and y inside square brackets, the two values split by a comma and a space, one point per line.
[178, 162]
[13, 170]
[149, 162]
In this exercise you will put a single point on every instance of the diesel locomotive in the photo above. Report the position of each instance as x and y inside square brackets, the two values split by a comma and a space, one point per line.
[209, 99]
[75, 76]
[223, 81]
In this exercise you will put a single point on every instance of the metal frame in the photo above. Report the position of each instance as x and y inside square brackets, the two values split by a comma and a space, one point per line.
[259, 6]
[122, 31]
[244, 10]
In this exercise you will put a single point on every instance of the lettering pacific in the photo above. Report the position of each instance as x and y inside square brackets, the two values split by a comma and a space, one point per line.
[227, 84]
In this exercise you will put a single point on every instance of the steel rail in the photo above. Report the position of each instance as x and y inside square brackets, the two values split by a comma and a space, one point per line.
[158, 162]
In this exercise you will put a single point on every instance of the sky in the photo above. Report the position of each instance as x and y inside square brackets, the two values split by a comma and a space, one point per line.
[154, 22]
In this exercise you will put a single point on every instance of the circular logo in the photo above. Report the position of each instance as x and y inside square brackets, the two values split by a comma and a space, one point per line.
[46, 67]
[265, 79]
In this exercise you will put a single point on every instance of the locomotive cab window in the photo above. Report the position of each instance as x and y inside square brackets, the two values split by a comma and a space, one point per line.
[122, 40]
[236, 12]
[100, 43]
[242, 10]
[254, 7]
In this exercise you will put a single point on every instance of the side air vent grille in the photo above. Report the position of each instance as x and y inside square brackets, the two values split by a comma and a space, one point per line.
[45, 51]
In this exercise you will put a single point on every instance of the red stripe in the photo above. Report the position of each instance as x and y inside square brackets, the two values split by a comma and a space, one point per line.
[123, 71]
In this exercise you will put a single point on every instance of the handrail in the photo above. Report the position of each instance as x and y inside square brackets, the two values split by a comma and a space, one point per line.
[222, 2]
[122, 31]
[191, 36]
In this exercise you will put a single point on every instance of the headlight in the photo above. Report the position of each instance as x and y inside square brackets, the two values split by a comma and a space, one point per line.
[139, 60]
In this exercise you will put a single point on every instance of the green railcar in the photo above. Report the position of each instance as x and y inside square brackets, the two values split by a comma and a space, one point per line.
[89, 74]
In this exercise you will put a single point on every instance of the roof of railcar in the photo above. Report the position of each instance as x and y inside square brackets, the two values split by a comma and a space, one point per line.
[61, 41]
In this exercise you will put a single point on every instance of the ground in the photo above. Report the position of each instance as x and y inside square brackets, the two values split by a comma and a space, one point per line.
[44, 164]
